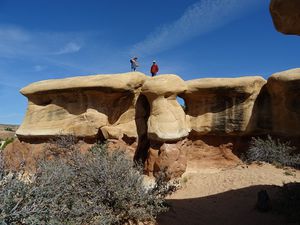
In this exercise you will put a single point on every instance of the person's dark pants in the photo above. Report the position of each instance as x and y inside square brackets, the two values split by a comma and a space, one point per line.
[153, 74]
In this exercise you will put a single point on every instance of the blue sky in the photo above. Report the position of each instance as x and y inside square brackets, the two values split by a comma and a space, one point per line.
[46, 39]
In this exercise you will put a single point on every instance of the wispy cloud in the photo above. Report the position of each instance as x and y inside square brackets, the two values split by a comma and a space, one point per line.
[11, 33]
[38, 68]
[13, 41]
[16, 42]
[70, 47]
[200, 18]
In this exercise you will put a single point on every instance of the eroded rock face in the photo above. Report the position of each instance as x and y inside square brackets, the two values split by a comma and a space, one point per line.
[222, 106]
[286, 15]
[190, 155]
[167, 121]
[20, 155]
[88, 107]
[141, 115]
[171, 157]
[203, 155]
[284, 91]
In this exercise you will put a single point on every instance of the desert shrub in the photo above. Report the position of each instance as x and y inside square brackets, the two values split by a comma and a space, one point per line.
[8, 129]
[272, 151]
[62, 144]
[15, 197]
[100, 187]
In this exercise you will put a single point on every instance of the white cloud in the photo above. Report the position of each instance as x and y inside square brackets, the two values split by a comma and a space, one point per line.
[13, 41]
[38, 68]
[202, 17]
[10, 33]
[16, 42]
[70, 47]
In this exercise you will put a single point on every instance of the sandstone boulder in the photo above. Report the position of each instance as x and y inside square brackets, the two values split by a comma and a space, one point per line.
[284, 91]
[286, 15]
[176, 158]
[222, 106]
[87, 106]
[167, 121]
[168, 157]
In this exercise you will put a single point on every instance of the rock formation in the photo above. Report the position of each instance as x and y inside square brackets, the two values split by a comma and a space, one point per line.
[141, 115]
[86, 107]
[284, 90]
[167, 121]
[222, 106]
[286, 15]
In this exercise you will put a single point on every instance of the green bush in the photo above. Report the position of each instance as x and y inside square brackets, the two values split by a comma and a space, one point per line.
[4, 143]
[100, 187]
[272, 151]
[8, 129]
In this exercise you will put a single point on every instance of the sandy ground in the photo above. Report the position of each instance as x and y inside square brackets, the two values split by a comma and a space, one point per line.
[227, 196]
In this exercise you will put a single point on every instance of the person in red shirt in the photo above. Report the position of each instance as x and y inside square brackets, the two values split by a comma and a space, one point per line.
[154, 69]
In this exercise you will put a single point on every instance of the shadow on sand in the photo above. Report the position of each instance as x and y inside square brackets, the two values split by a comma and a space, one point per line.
[235, 207]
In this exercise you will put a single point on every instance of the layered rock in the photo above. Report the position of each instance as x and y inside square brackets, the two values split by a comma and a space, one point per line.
[168, 157]
[222, 106]
[88, 107]
[203, 155]
[142, 116]
[167, 121]
[166, 126]
[284, 91]
[286, 16]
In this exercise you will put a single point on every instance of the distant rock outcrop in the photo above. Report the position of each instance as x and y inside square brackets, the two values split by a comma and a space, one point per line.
[286, 15]
[141, 115]
[7, 131]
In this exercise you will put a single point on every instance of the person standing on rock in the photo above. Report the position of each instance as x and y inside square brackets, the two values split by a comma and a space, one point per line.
[154, 69]
[134, 63]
